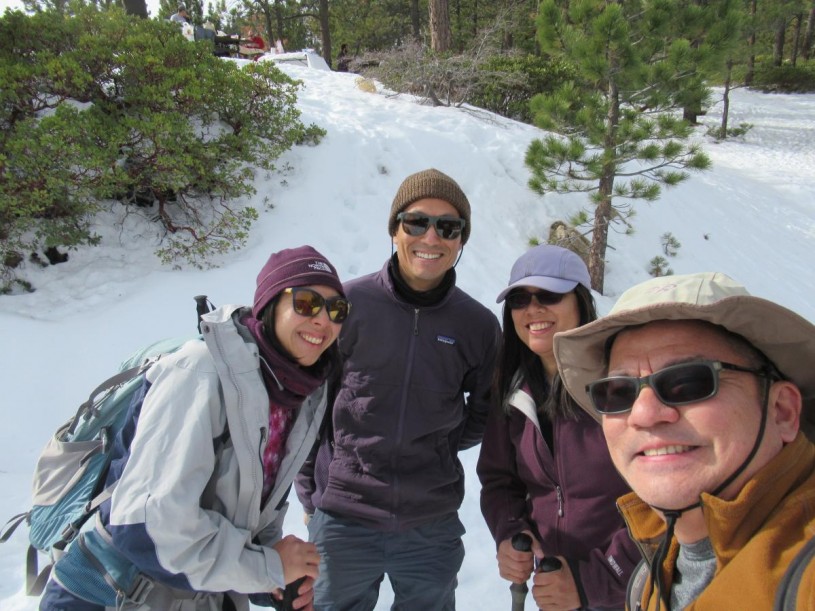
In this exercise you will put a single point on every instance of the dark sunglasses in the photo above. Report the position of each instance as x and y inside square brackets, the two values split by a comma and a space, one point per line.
[417, 223]
[518, 300]
[674, 386]
[307, 302]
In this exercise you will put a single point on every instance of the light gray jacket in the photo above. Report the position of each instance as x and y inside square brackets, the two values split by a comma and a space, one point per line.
[188, 512]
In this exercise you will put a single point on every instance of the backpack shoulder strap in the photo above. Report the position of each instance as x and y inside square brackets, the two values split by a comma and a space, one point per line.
[787, 593]
[636, 585]
[109, 384]
[11, 525]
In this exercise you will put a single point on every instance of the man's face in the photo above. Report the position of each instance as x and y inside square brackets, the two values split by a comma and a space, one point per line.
[424, 259]
[669, 455]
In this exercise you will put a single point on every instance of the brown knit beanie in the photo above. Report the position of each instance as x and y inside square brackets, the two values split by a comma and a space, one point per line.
[430, 184]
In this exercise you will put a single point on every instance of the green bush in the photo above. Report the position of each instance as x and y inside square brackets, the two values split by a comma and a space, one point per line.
[484, 77]
[522, 76]
[103, 105]
[784, 79]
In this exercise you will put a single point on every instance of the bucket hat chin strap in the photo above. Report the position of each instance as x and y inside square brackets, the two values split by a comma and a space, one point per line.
[672, 515]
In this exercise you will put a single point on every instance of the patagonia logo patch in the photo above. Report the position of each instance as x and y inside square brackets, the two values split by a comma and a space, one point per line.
[445, 340]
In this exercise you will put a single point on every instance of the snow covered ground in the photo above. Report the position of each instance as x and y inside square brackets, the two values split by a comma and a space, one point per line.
[752, 217]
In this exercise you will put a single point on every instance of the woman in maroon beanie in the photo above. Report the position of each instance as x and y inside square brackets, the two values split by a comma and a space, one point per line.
[214, 440]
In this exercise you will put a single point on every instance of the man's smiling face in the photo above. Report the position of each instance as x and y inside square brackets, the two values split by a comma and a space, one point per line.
[669, 455]
[424, 259]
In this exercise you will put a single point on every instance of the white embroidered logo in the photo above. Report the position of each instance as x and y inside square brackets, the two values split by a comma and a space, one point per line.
[320, 266]
[613, 563]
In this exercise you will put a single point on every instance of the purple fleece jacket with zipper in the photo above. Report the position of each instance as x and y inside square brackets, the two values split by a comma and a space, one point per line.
[414, 391]
[566, 497]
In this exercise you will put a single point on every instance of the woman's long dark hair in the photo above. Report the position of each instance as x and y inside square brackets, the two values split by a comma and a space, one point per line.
[518, 365]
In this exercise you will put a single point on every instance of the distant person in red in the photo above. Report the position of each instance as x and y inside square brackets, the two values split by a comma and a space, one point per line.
[252, 44]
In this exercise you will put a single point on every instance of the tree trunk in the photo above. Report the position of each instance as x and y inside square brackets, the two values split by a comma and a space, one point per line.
[459, 24]
[726, 99]
[604, 209]
[751, 44]
[778, 47]
[414, 20]
[267, 28]
[278, 13]
[796, 37]
[806, 50]
[691, 115]
[135, 7]
[440, 36]
[325, 31]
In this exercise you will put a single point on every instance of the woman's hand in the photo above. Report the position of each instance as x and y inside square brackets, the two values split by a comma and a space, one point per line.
[514, 565]
[305, 595]
[299, 558]
[556, 590]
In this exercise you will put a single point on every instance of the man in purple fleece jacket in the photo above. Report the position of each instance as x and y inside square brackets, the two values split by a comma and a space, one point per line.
[385, 484]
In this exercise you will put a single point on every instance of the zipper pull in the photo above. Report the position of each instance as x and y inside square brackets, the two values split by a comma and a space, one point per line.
[559, 501]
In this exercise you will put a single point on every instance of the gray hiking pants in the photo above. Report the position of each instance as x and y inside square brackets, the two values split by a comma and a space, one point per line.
[421, 563]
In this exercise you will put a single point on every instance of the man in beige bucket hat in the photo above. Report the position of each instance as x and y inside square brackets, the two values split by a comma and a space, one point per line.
[704, 393]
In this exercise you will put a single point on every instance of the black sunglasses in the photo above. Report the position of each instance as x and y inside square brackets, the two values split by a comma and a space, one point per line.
[674, 386]
[417, 223]
[518, 300]
[307, 302]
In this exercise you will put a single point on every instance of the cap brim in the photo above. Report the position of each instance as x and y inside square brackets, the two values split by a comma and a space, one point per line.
[547, 283]
[786, 338]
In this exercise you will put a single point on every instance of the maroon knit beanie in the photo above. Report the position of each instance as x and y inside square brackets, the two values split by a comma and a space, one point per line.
[293, 267]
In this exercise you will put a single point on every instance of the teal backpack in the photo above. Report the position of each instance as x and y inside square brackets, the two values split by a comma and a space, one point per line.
[69, 479]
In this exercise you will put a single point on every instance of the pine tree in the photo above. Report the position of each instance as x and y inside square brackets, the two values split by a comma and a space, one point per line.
[619, 135]
[441, 37]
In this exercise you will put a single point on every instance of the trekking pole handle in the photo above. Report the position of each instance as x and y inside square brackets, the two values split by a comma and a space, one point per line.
[522, 543]
[201, 307]
[549, 564]
[289, 595]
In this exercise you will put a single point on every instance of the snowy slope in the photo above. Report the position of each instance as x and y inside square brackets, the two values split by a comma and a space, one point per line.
[752, 216]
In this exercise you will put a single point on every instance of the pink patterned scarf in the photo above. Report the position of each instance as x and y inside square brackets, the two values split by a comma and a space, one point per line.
[288, 384]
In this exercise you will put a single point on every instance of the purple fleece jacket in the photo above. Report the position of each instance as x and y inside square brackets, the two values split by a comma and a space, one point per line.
[414, 391]
[567, 498]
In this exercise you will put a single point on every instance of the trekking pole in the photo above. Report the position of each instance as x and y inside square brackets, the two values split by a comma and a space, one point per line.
[286, 603]
[523, 543]
[202, 306]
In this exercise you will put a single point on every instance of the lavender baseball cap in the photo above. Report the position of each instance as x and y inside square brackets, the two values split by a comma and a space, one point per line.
[550, 268]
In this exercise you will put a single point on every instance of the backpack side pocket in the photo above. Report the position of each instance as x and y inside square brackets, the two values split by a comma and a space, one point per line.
[94, 570]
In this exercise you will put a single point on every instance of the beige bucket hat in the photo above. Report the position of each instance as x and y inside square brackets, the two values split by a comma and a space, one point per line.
[786, 338]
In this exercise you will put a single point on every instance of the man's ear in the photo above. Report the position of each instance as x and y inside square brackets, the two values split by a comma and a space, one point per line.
[785, 409]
